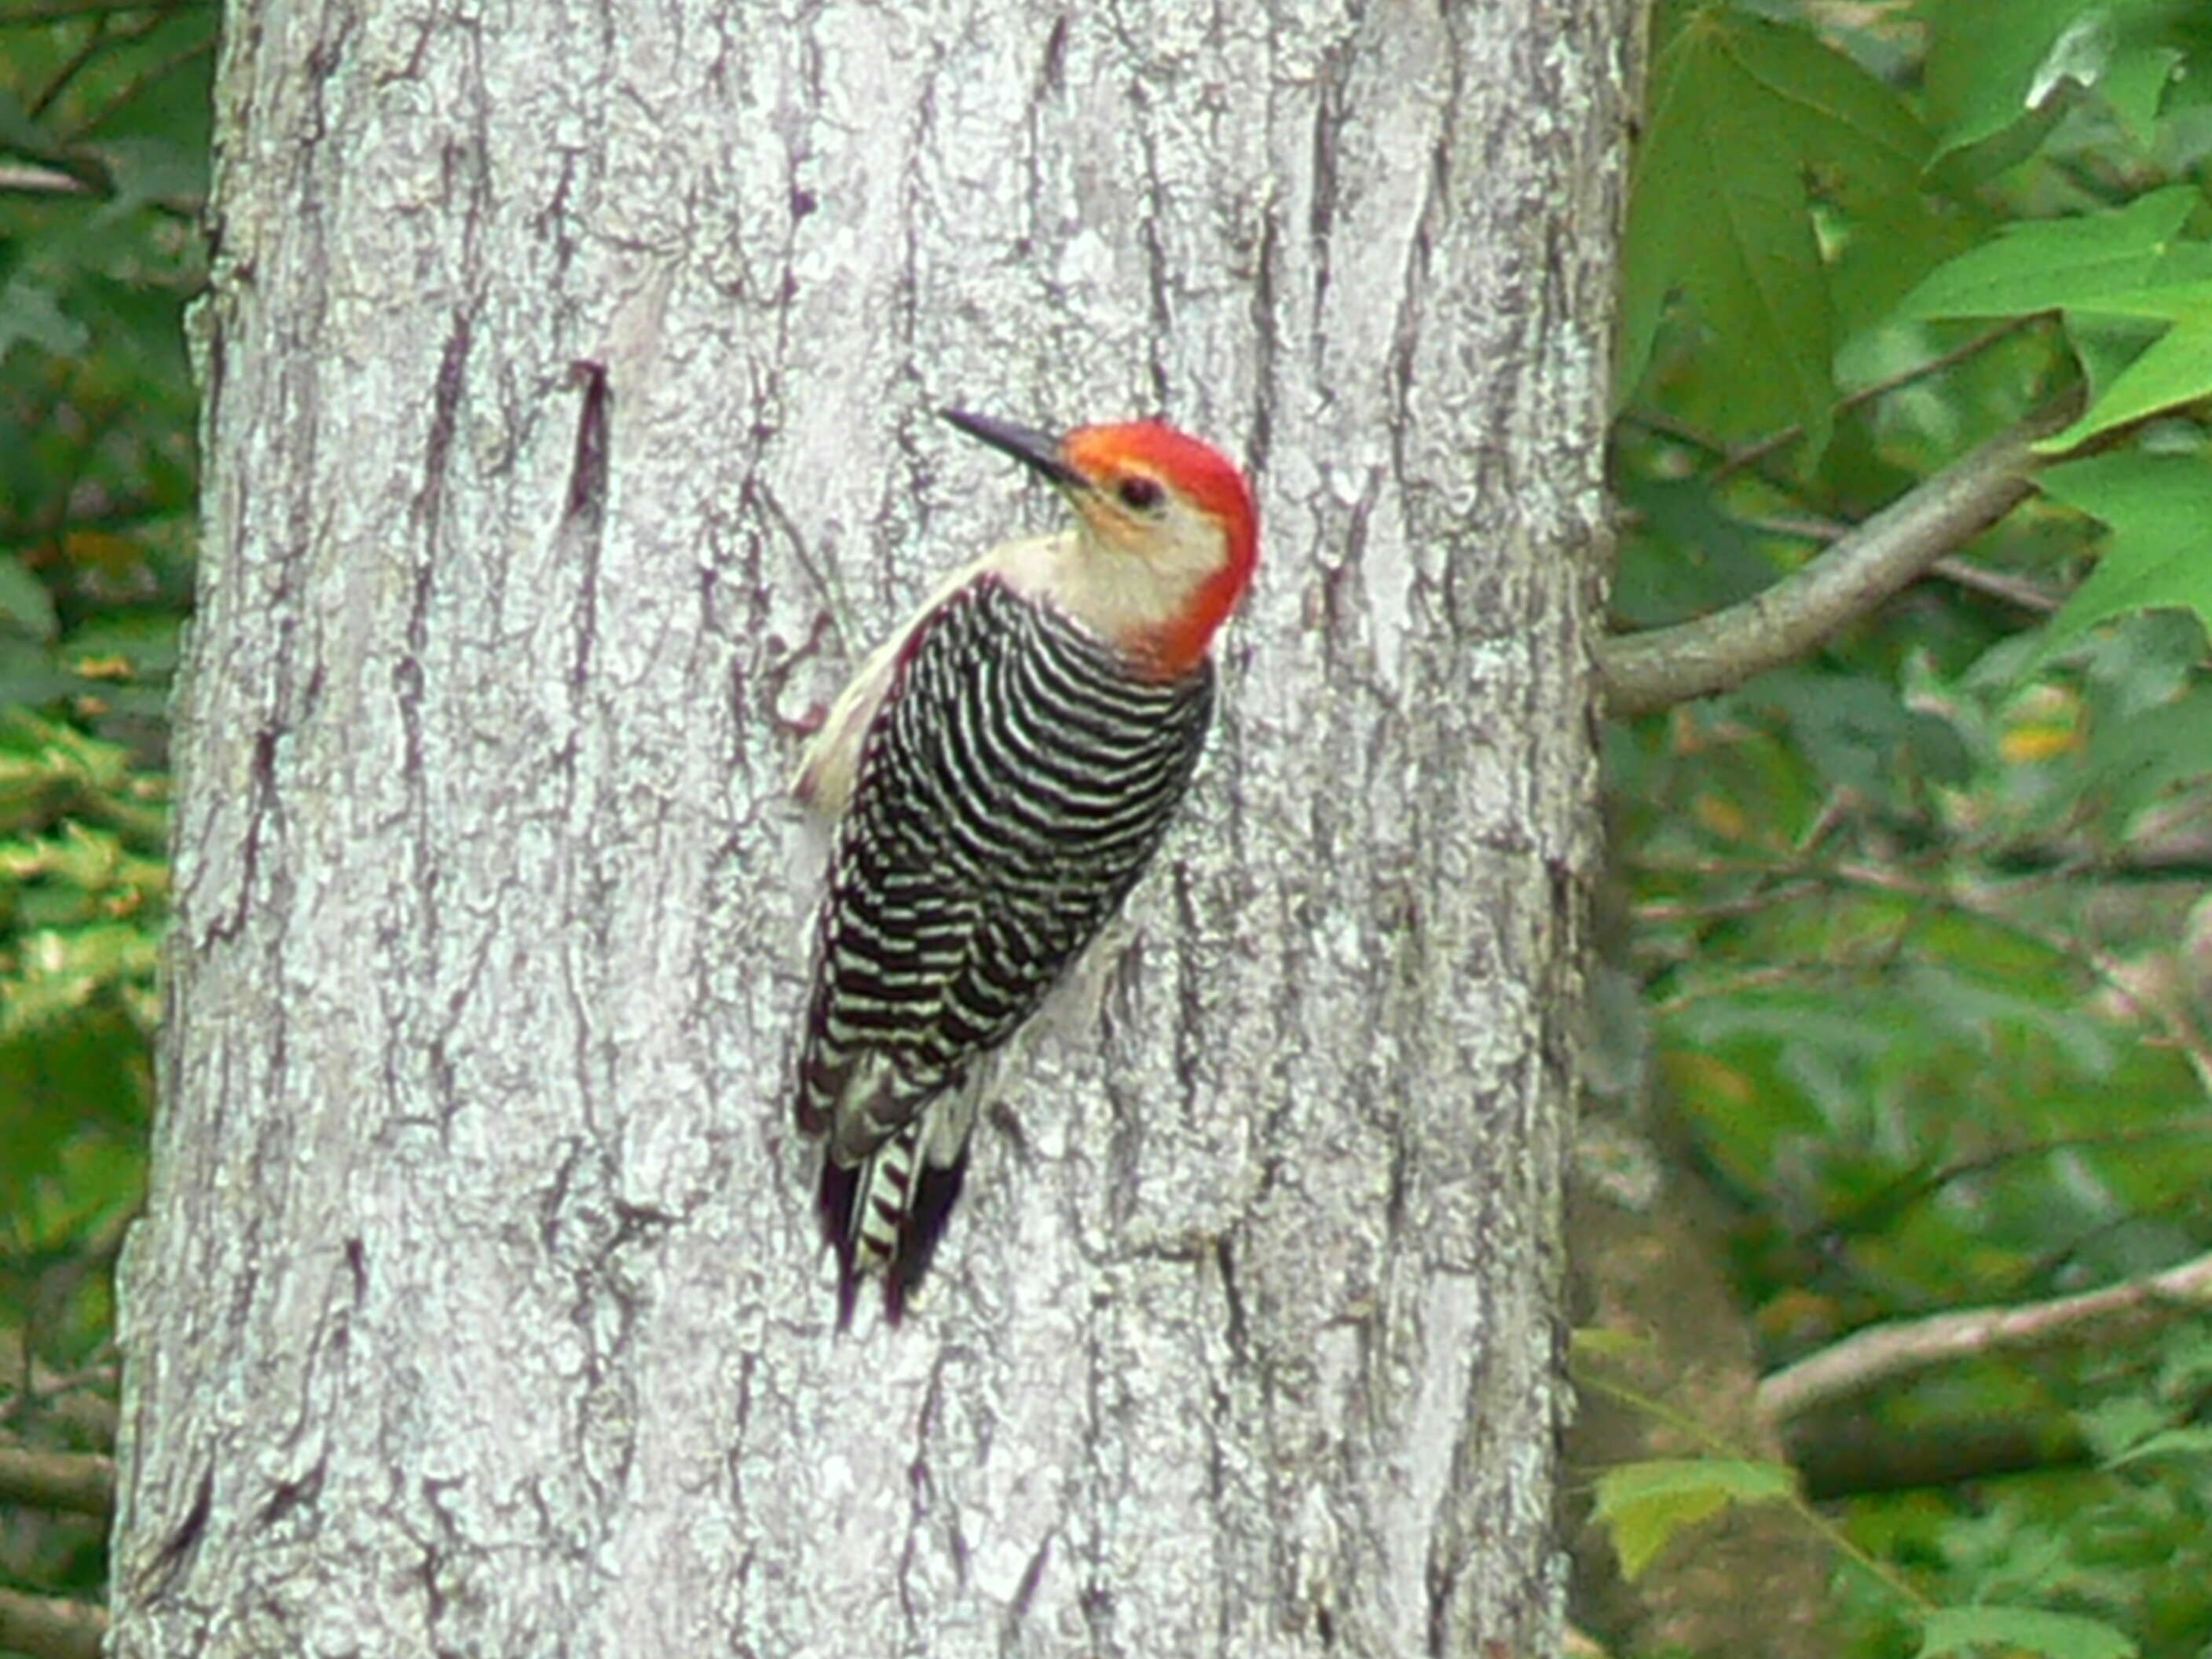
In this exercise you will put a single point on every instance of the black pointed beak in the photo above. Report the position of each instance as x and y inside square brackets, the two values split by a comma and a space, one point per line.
[1035, 449]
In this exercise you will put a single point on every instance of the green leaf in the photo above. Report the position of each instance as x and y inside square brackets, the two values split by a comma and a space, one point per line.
[2131, 763]
[1832, 114]
[84, 1076]
[30, 312]
[2158, 512]
[1972, 1006]
[2061, 1635]
[27, 675]
[1856, 731]
[2136, 85]
[1741, 112]
[155, 170]
[1891, 245]
[24, 601]
[1993, 63]
[1984, 56]
[1645, 1504]
[18, 132]
[2176, 369]
[1689, 555]
[150, 644]
[2108, 346]
[2050, 264]
[2111, 1426]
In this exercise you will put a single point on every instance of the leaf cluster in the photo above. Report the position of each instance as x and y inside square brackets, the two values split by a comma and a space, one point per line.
[1921, 919]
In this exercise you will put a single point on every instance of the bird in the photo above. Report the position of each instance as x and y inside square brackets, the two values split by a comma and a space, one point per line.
[994, 780]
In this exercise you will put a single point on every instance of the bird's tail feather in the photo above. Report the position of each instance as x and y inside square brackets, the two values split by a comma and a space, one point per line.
[886, 1214]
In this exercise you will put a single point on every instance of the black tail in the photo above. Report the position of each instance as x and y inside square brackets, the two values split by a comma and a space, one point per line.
[887, 1212]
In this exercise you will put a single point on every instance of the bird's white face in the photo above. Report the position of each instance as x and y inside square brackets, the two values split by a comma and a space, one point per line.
[1143, 551]
[1168, 532]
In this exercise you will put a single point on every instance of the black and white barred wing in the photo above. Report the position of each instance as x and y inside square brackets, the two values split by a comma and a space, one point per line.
[1010, 791]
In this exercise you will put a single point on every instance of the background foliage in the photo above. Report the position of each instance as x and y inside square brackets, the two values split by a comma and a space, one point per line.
[1920, 920]
[103, 168]
[1918, 923]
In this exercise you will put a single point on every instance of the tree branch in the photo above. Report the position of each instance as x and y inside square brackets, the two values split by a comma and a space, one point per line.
[1880, 1353]
[82, 1483]
[48, 1627]
[1660, 666]
[2016, 591]
[28, 178]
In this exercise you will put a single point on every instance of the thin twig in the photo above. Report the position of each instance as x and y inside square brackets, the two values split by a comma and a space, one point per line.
[2013, 590]
[1759, 449]
[71, 67]
[1882, 1208]
[1752, 979]
[1798, 528]
[138, 83]
[1765, 897]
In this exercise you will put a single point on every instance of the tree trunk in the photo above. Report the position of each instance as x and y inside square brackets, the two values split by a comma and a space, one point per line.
[479, 1308]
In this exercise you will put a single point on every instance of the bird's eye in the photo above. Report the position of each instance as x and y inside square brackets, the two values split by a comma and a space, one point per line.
[1139, 493]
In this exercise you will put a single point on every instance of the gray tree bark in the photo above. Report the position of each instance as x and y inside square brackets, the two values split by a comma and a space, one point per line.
[478, 1308]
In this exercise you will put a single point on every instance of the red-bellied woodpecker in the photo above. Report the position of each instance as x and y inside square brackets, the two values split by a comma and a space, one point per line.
[999, 773]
